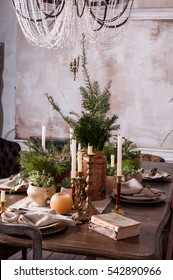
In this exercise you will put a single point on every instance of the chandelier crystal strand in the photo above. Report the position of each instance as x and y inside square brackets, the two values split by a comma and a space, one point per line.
[61, 23]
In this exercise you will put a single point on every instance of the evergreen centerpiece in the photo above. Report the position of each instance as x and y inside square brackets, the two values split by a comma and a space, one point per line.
[93, 126]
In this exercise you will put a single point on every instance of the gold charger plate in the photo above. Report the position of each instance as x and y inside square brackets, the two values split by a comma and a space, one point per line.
[54, 228]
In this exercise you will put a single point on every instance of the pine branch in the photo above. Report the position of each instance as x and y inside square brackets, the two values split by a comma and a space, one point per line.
[55, 106]
[84, 68]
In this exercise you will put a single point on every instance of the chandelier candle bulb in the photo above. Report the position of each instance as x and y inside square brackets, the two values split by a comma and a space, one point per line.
[119, 156]
[2, 196]
[73, 161]
[112, 160]
[79, 161]
[43, 137]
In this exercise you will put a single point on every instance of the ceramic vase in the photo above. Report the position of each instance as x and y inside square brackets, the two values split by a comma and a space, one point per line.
[40, 195]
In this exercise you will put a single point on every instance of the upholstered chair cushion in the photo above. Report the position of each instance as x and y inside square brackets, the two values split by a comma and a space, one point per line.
[9, 151]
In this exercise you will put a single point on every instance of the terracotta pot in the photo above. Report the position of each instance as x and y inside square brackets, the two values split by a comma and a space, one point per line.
[40, 195]
[98, 185]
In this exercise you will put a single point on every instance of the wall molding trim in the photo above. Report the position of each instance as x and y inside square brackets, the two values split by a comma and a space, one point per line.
[166, 154]
[152, 14]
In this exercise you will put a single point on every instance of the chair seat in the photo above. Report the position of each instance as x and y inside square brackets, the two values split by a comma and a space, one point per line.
[149, 157]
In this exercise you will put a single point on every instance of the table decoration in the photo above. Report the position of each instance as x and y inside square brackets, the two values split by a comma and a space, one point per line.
[85, 211]
[53, 162]
[41, 187]
[134, 192]
[117, 209]
[92, 125]
[61, 202]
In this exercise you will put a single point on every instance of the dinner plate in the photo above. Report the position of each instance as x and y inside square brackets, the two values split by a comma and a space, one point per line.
[128, 199]
[60, 226]
[49, 226]
[159, 175]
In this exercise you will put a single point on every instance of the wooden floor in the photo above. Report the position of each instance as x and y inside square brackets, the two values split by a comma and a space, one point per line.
[48, 255]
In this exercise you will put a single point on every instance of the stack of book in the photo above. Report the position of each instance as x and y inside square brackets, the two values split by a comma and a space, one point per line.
[114, 225]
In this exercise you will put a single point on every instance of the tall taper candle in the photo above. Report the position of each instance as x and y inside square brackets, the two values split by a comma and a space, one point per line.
[2, 196]
[79, 161]
[112, 160]
[73, 159]
[43, 137]
[119, 156]
[90, 150]
[71, 137]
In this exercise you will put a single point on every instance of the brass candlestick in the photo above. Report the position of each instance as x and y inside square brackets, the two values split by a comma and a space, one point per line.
[88, 210]
[117, 209]
[80, 192]
[2, 207]
[73, 181]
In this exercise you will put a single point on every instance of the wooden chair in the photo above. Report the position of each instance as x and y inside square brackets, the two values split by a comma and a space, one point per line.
[9, 152]
[149, 157]
[26, 230]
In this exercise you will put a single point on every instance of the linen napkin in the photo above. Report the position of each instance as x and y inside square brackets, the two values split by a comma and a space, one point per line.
[10, 183]
[134, 188]
[38, 219]
[155, 174]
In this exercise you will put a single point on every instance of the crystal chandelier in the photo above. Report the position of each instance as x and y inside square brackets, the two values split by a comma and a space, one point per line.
[61, 23]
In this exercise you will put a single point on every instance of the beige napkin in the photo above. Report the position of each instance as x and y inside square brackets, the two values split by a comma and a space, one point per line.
[9, 184]
[133, 187]
[38, 219]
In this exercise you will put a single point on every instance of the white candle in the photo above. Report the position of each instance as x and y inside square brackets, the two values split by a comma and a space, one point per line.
[73, 159]
[71, 137]
[112, 160]
[90, 150]
[79, 161]
[43, 138]
[2, 196]
[119, 156]
[79, 146]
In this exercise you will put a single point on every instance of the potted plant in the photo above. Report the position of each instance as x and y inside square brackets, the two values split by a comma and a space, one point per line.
[41, 187]
[92, 126]
[53, 162]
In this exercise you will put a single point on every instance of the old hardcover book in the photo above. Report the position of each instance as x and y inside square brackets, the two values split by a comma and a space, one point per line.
[115, 226]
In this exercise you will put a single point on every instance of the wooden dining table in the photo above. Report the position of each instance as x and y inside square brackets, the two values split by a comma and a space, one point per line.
[81, 240]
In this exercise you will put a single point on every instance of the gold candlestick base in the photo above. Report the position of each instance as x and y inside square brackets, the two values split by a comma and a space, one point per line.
[2, 207]
[118, 209]
[87, 210]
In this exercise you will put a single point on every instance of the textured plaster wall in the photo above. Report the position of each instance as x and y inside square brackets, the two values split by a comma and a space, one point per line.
[140, 69]
[8, 35]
